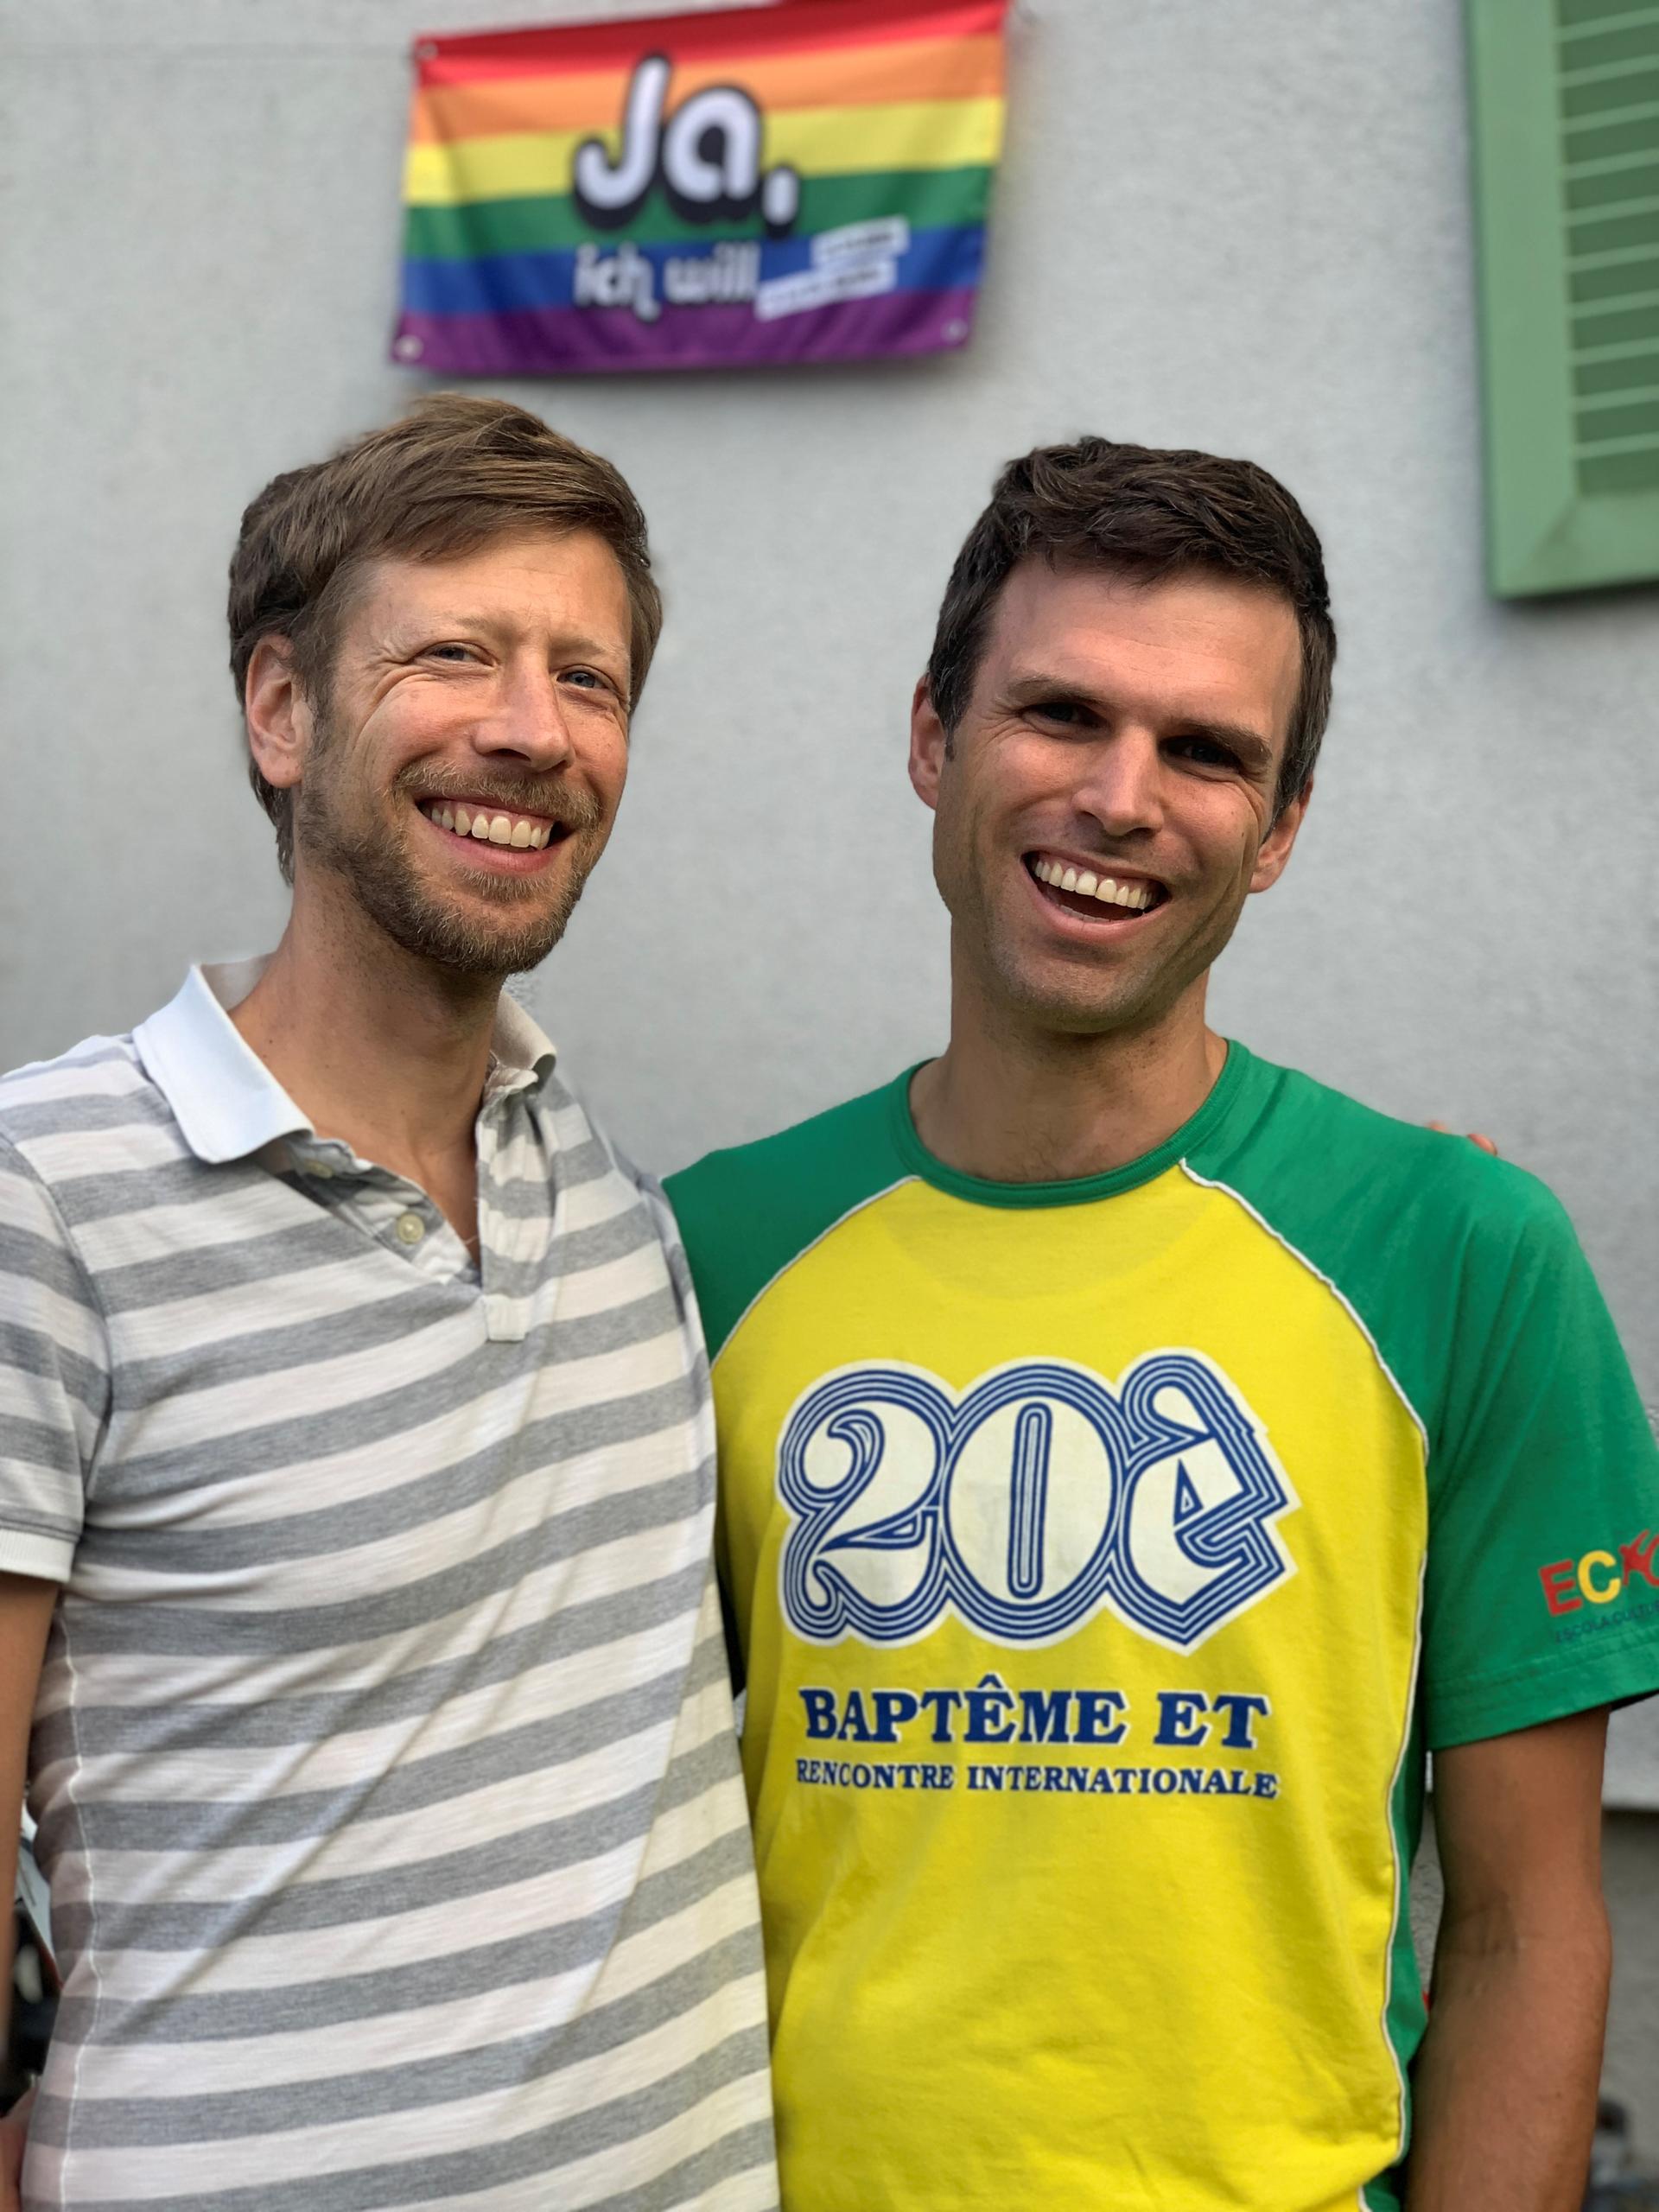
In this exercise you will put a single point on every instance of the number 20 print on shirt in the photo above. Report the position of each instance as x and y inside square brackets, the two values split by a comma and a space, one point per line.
[1040, 1495]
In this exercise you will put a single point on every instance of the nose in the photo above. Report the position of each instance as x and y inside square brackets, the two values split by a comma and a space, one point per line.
[529, 725]
[1122, 786]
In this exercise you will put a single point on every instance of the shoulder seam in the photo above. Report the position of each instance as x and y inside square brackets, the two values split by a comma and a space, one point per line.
[1212, 1183]
[1401, 1876]
[794, 1258]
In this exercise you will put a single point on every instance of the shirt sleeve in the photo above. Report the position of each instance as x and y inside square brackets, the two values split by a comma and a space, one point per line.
[1542, 1580]
[53, 1378]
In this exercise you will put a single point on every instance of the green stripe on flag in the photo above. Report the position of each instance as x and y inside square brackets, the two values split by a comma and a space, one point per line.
[928, 199]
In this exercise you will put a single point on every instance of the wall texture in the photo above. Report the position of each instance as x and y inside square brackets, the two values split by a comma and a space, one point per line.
[1240, 226]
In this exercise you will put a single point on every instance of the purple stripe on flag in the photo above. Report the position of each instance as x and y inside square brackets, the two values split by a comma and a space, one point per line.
[550, 341]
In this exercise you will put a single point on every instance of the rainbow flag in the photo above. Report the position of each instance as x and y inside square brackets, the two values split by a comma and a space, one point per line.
[806, 182]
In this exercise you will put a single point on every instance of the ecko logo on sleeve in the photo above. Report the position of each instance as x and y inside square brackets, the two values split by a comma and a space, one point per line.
[1028, 1503]
[1602, 1578]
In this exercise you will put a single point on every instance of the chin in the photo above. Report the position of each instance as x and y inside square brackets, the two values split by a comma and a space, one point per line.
[484, 953]
[500, 932]
[1067, 1018]
[1068, 1006]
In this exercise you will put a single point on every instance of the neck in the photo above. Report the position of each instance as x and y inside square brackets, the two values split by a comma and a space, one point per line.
[375, 1046]
[1013, 1103]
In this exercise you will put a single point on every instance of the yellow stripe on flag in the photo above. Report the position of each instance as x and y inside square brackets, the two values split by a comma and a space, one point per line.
[814, 141]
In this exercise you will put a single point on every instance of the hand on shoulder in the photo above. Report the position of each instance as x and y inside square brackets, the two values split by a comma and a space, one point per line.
[1481, 1143]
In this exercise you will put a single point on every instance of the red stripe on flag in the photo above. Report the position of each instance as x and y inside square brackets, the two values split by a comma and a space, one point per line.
[787, 26]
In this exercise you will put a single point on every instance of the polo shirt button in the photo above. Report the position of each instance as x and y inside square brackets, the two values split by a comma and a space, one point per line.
[411, 1228]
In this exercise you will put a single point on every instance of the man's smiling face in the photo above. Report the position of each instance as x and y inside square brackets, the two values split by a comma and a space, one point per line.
[468, 755]
[1107, 802]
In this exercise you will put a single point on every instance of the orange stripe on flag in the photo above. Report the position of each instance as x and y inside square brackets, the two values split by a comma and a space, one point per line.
[927, 69]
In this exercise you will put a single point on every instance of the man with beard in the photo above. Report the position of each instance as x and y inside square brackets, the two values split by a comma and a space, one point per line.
[1135, 1457]
[356, 1457]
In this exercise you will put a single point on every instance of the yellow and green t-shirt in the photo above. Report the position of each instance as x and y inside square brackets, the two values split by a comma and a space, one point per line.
[1105, 1557]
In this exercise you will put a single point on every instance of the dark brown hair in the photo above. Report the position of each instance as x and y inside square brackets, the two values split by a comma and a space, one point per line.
[452, 475]
[1149, 514]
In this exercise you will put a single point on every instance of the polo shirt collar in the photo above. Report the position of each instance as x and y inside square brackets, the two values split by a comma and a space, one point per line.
[227, 1100]
[522, 1051]
[223, 1097]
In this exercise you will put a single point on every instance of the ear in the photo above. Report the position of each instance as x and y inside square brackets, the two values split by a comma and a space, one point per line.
[929, 746]
[279, 720]
[1274, 854]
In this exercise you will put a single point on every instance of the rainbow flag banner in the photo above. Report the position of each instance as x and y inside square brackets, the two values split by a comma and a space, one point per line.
[806, 182]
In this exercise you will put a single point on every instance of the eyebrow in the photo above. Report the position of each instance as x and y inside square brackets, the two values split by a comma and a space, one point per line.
[1251, 745]
[1253, 749]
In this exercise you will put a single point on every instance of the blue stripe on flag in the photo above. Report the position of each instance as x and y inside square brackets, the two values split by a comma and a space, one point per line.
[497, 283]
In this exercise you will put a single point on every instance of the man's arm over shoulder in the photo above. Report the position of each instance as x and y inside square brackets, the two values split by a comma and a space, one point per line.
[1505, 2082]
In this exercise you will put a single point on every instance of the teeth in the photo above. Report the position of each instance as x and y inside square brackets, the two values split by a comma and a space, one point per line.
[1137, 897]
[521, 835]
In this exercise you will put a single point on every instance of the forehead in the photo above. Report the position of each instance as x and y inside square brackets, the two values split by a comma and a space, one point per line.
[1191, 647]
[532, 581]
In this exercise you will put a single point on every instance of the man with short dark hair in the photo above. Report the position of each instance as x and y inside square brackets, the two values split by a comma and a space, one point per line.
[1135, 1459]
[356, 1457]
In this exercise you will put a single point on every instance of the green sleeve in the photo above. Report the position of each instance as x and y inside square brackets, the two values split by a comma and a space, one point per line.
[746, 1213]
[1541, 1580]
[1542, 1584]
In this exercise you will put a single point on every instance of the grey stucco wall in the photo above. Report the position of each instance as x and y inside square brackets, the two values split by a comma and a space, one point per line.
[1242, 226]
[1237, 225]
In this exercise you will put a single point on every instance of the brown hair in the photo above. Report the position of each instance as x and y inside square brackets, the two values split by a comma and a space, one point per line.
[1149, 514]
[448, 477]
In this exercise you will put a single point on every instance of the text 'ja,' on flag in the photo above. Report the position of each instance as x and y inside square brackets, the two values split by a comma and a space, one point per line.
[806, 182]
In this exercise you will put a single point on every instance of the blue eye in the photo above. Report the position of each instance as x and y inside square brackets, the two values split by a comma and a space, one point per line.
[596, 680]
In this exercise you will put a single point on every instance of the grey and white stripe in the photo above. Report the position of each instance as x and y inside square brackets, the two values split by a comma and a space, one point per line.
[383, 1759]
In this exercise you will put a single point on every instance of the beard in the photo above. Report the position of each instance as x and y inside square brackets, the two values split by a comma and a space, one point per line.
[524, 916]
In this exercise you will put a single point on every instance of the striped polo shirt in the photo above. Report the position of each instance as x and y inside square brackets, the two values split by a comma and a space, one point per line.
[383, 1758]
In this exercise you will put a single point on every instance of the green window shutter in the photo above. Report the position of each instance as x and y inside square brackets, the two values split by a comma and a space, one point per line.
[1565, 98]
